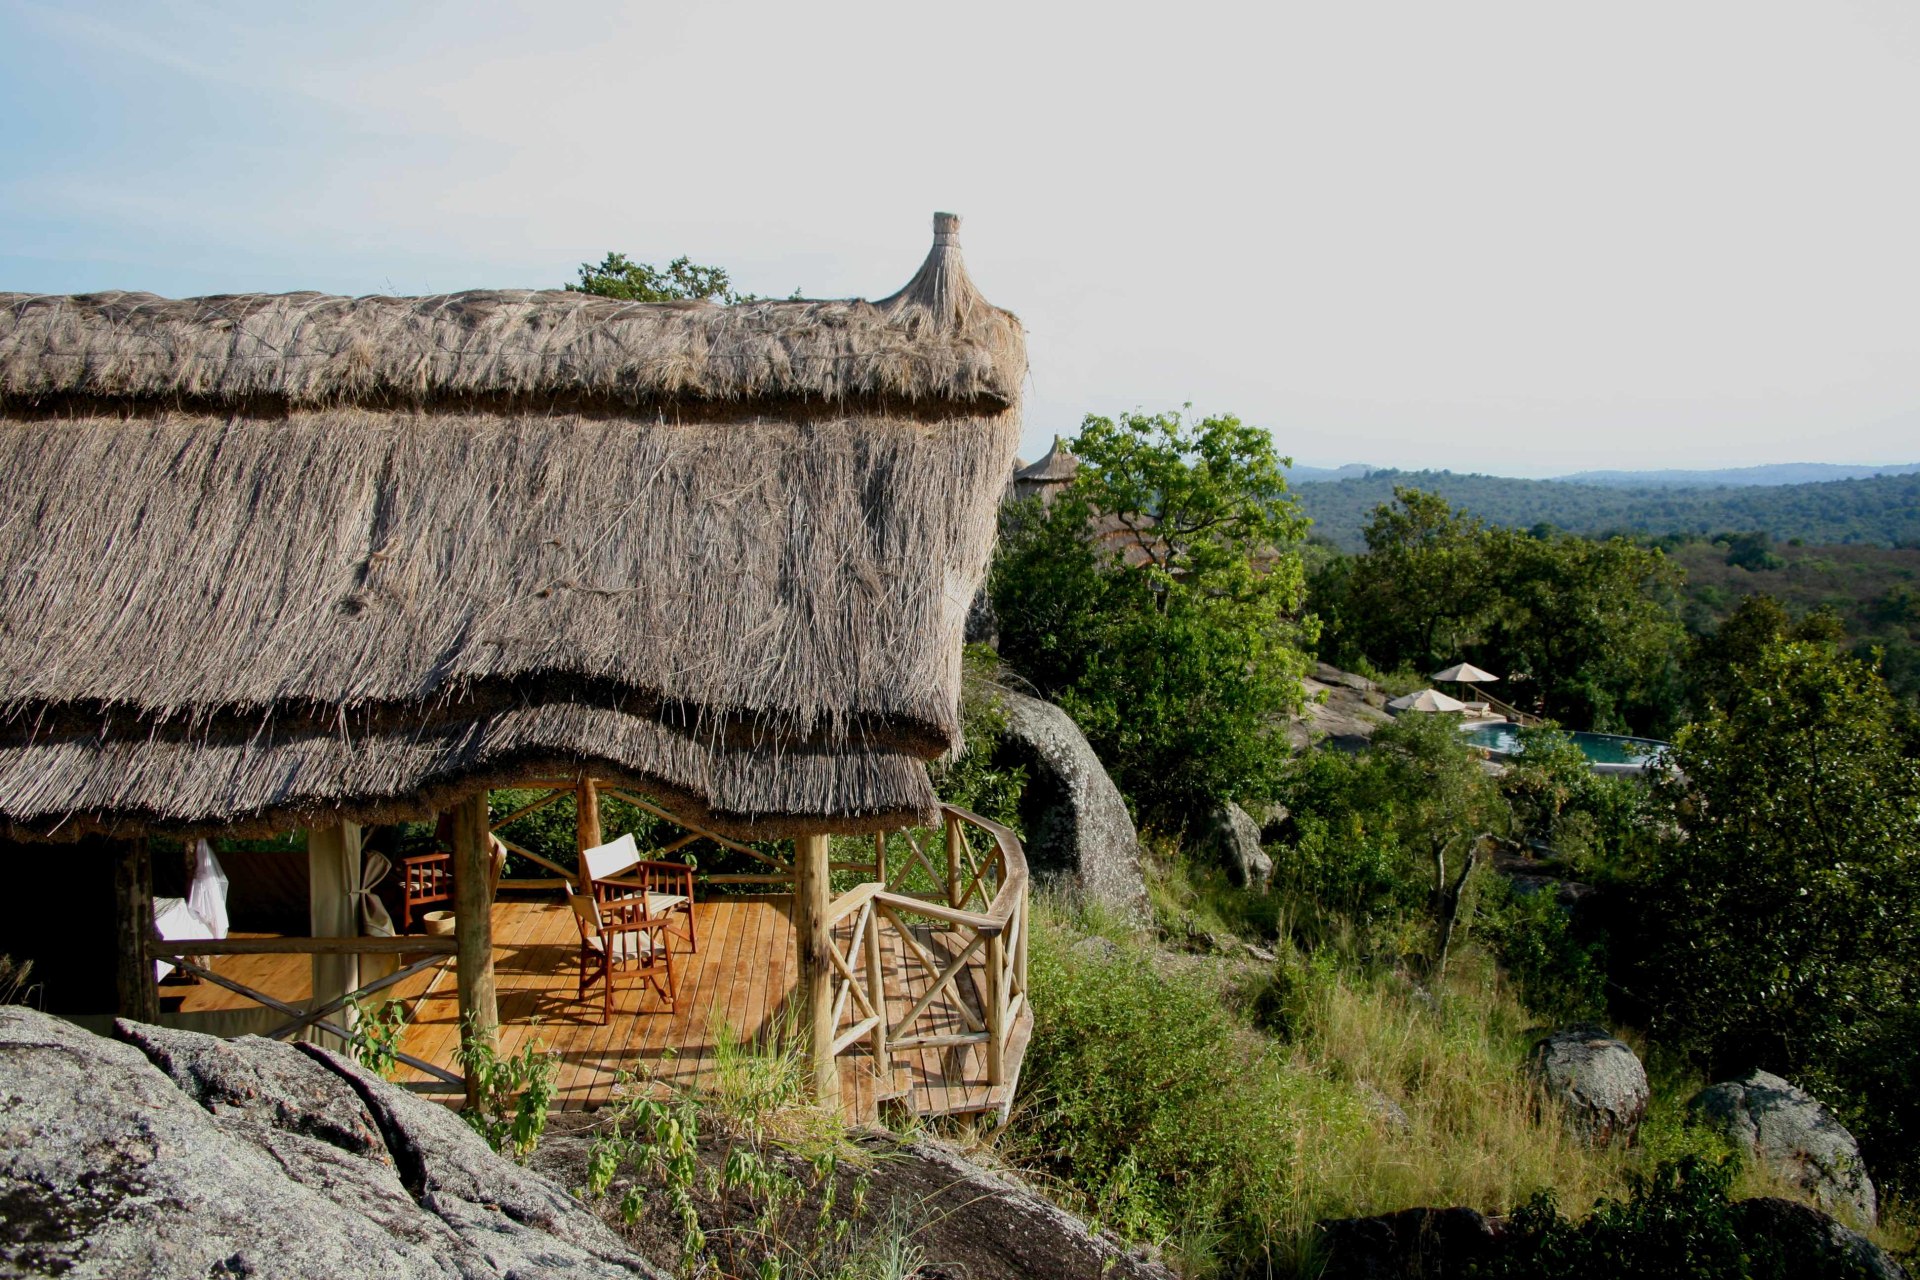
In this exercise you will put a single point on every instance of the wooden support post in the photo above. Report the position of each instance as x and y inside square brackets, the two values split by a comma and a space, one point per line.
[996, 1009]
[877, 984]
[880, 856]
[473, 923]
[812, 939]
[137, 997]
[955, 837]
[586, 830]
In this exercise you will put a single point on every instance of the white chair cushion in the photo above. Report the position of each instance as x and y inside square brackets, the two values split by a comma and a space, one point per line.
[611, 858]
[661, 902]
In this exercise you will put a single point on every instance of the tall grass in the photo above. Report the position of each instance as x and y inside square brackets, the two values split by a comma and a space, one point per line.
[1222, 1109]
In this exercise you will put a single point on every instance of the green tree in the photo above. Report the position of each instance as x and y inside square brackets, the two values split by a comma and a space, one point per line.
[1589, 624]
[618, 276]
[1418, 597]
[1784, 909]
[1716, 659]
[1157, 600]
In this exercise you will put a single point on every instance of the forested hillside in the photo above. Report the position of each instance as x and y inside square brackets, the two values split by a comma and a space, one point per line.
[1883, 510]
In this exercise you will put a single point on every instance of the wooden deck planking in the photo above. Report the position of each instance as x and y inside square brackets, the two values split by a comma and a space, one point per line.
[744, 975]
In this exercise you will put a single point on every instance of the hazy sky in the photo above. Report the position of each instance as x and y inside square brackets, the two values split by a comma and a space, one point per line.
[1524, 237]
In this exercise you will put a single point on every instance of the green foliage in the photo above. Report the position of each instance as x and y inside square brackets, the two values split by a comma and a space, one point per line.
[1677, 1224]
[1418, 596]
[973, 779]
[1559, 974]
[1782, 916]
[1583, 630]
[618, 276]
[514, 1094]
[1368, 830]
[380, 1025]
[1157, 600]
[750, 1153]
[1589, 625]
[1142, 1095]
[1595, 823]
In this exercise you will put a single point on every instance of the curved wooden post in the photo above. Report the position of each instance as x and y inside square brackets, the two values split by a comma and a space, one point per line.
[812, 939]
[473, 922]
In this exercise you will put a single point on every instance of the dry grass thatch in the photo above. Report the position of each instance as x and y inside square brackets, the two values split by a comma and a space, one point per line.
[467, 566]
[936, 342]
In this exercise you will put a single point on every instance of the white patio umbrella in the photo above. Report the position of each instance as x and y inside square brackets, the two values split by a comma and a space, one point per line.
[1465, 673]
[1427, 700]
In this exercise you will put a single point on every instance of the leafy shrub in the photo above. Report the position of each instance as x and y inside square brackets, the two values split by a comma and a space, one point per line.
[514, 1094]
[1678, 1223]
[1559, 975]
[380, 1026]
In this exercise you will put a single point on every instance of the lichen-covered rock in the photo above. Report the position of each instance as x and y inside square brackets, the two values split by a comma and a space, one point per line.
[1597, 1081]
[981, 1225]
[269, 1081]
[1077, 826]
[177, 1155]
[1233, 838]
[1788, 1130]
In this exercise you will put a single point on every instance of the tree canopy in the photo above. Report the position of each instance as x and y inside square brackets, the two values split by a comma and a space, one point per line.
[618, 276]
[1157, 600]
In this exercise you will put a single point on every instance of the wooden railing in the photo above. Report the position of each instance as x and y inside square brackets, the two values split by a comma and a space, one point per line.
[195, 956]
[981, 863]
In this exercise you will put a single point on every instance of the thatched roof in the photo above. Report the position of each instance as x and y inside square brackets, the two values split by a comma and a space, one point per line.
[936, 344]
[268, 558]
[1058, 466]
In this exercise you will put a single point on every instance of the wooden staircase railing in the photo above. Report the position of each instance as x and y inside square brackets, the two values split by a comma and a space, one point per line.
[983, 866]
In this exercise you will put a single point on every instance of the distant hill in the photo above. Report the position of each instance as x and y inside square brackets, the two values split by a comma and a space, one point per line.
[1321, 475]
[1881, 510]
[1779, 473]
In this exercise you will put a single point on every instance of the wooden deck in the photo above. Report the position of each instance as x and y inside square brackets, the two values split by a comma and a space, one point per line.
[743, 978]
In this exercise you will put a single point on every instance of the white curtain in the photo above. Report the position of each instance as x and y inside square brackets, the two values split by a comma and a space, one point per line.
[207, 896]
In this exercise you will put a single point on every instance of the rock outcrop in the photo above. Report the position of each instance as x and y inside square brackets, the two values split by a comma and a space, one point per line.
[1077, 826]
[1812, 1243]
[173, 1154]
[1789, 1131]
[1597, 1081]
[1342, 710]
[1233, 839]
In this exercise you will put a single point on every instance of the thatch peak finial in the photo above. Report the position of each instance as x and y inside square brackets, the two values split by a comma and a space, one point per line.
[941, 286]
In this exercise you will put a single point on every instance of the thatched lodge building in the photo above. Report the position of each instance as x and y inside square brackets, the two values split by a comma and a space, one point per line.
[275, 563]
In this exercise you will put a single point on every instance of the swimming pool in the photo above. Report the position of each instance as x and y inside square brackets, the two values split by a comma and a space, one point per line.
[1609, 752]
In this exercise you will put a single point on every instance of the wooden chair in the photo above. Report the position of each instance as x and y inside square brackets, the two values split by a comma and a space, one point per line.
[620, 936]
[616, 868]
[427, 878]
[669, 890]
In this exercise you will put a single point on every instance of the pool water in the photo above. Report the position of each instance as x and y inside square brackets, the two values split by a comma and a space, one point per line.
[1601, 748]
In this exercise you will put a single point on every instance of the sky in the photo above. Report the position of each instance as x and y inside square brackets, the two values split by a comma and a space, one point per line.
[1525, 238]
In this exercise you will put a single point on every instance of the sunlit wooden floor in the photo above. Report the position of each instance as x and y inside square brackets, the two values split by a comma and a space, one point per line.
[742, 979]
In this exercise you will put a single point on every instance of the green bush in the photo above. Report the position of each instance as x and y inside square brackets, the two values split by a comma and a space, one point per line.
[1143, 1095]
[1678, 1223]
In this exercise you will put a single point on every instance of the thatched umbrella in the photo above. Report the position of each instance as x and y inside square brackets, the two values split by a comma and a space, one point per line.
[1427, 700]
